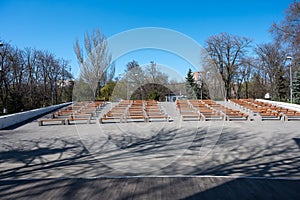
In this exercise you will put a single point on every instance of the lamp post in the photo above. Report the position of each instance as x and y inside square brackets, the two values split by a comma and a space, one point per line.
[291, 78]
[200, 84]
[201, 92]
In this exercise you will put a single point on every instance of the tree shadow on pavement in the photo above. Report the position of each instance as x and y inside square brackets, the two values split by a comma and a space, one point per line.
[58, 167]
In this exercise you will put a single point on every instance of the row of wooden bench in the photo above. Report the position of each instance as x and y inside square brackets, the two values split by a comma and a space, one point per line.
[266, 110]
[207, 110]
[80, 111]
[134, 111]
[230, 114]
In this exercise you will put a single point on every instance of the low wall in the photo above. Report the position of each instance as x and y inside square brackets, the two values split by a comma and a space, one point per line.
[13, 119]
[282, 104]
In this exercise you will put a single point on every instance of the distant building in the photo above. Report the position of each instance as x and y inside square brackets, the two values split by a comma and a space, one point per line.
[199, 76]
[173, 97]
[177, 92]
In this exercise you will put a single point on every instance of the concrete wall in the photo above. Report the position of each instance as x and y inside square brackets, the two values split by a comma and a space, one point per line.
[10, 120]
[282, 104]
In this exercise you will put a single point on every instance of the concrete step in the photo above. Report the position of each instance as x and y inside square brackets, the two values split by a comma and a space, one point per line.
[170, 109]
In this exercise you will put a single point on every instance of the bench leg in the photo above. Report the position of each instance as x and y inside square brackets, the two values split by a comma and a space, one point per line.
[40, 123]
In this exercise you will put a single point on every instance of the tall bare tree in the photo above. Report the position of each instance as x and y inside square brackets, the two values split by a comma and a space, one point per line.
[272, 57]
[243, 76]
[5, 58]
[155, 75]
[288, 30]
[29, 79]
[227, 51]
[94, 59]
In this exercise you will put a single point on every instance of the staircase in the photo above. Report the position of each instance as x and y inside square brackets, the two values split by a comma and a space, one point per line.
[171, 110]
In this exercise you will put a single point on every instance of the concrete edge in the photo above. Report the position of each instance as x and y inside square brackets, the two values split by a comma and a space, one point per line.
[16, 118]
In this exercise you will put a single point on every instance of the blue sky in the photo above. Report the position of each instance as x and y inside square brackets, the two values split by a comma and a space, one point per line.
[55, 25]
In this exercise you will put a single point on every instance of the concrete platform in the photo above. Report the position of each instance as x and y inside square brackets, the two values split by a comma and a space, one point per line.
[87, 156]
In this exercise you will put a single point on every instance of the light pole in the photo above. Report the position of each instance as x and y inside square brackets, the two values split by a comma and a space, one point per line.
[200, 83]
[201, 92]
[291, 78]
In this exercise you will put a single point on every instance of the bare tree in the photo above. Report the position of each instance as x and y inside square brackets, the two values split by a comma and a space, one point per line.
[155, 75]
[16, 79]
[28, 78]
[272, 59]
[243, 76]
[288, 30]
[94, 60]
[227, 51]
[5, 72]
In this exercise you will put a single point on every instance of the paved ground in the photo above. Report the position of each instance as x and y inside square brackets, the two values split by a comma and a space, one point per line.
[99, 152]
[151, 188]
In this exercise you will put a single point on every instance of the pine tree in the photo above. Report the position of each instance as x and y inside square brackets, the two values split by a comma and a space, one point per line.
[190, 85]
[296, 88]
[280, 83]
[194, 90]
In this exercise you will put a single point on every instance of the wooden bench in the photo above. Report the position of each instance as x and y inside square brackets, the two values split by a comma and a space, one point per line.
[102, 119]
[191, 116]
[292, 116]
[187, 109]
[41, 121]
[64, 112]
[135, 117]
[163, 117]
[270, 115]
[91, 112]
[238, 116]
[111, 116]
[212, 116]
[87, 119]
[82, 115]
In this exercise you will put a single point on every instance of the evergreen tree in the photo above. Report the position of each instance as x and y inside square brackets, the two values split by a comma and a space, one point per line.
[280, 83]
[192, 89]
[189, 78]
[296, 88]
[107, 91]
[195, 90]
[205, 91]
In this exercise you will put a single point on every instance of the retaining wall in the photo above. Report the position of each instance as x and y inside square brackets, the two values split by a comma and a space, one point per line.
[13, 119]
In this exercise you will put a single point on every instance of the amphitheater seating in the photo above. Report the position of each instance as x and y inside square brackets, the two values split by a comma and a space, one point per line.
[135, 111]
[197, 110]
[79, 111]
[150, 110]
[208, 110]
[154, 112]
[267, 111]
[186, 111]
[116, 114]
